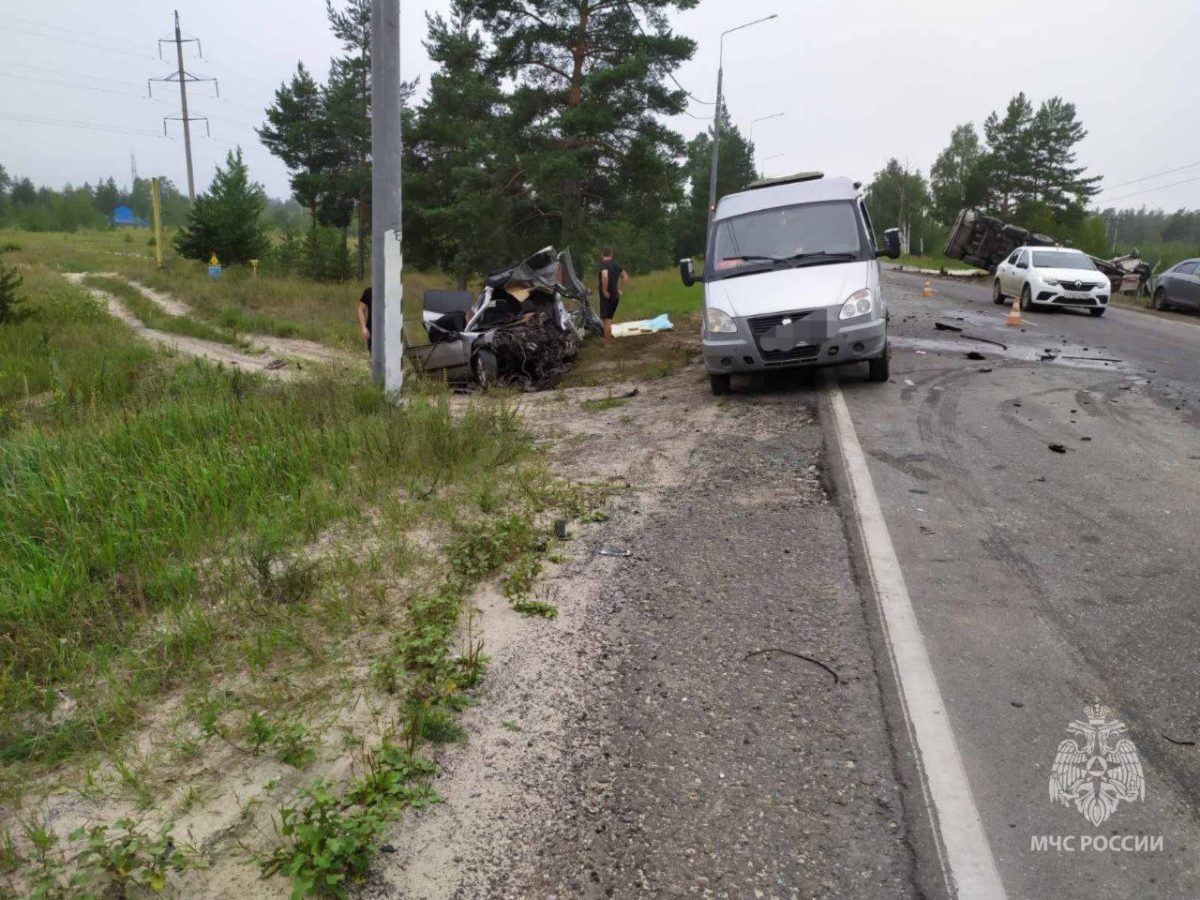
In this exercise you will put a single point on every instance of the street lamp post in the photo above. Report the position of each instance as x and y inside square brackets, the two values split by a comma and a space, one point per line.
[760, 119]
[712, 175]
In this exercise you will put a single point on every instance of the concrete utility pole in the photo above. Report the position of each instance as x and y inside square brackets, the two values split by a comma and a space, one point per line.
[387, 260]
[712, 174]
[187, 128]
[183, 77]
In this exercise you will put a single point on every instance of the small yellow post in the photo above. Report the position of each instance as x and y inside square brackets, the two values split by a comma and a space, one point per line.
[156, 205]
[254, 267]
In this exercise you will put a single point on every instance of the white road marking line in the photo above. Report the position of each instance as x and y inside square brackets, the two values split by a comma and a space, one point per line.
[966, 858]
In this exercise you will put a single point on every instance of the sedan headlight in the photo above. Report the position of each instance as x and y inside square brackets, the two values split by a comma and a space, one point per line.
[857, 304]
[1050, 281]
[719, 321]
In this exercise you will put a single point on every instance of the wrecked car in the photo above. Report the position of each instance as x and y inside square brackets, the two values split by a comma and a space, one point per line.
[985, 242]
[522, 330]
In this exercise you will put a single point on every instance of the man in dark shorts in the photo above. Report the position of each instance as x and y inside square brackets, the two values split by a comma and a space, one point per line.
[612, 282]
[364, 316]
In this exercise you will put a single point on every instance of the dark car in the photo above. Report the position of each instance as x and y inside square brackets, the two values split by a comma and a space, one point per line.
[1178, 286]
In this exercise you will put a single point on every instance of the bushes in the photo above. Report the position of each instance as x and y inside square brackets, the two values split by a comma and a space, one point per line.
[9, 282]
[321, 254]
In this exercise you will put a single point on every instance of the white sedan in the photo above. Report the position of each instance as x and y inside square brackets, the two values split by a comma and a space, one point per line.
[1051, 276]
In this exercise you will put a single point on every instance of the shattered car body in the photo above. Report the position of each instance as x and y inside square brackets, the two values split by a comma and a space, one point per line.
[523, 329]
[985, 242]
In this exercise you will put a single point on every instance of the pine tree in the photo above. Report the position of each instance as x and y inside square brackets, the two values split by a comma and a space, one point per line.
[589, 84]
[462, 179]
[735, 170]
[1056, 182]
[228, 220]
[10, 280]
[297, 132]
[1009, 162]
[348, 107]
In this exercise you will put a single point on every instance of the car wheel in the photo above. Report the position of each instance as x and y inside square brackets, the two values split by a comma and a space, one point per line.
[997, 295]
[720, 384]
[1026, 299]
[485, 369]
[878, 368]
[1097, 313]
[1159, 300]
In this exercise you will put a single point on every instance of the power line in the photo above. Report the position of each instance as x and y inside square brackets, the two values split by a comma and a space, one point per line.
[85, 77]
[1148, 177]
[1161, 187]
[81, 87]
[68, 40]
[92, 126]
[86, 34]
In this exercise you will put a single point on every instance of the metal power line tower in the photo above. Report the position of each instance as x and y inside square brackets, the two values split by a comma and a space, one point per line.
[183, 76]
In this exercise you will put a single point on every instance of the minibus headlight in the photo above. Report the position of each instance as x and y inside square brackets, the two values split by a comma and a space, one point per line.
[857, 304]
[719, 321]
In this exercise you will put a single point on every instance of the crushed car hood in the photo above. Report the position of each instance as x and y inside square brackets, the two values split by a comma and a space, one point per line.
[783, 290]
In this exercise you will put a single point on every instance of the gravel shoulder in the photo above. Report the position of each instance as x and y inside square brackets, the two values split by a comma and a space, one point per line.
[659, 739]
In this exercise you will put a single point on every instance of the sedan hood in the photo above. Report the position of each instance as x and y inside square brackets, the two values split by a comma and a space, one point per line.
[1074, 275]
[785, 290]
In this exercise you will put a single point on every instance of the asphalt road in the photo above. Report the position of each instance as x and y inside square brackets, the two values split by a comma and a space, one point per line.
[1041, 580]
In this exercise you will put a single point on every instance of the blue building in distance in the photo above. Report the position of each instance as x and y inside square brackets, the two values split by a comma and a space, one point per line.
[123, 217]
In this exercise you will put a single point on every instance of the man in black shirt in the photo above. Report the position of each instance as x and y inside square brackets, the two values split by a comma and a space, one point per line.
[364, 316]
[612, 282]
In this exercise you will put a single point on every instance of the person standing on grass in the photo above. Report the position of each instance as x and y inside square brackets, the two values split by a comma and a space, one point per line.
[364, 316]
[612, 282]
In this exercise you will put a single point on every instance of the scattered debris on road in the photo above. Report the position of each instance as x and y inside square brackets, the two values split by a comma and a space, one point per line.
[943, 326]
[975, 354]
[615, 551]
[816, 662]
[983, 340]
[1057, 448]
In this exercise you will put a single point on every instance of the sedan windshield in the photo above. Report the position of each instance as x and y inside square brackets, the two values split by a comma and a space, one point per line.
[1061, 259]
[808, 233]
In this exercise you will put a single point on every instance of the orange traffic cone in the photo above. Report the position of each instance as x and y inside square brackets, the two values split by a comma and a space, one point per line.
[1014, 314]
[927, 291]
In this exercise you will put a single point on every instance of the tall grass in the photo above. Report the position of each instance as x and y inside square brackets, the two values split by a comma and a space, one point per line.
[102, 524]
[153, 316]
[65, 354]
[105, 521]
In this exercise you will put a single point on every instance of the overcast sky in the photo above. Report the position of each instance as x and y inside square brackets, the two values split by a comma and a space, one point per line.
[857, 81]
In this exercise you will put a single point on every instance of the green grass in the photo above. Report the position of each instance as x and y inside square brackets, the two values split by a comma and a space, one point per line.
[103, 522]
[936, 262]
[153, 316]
[659, 292]
[602, 403]
[238, 301]
[66, 356]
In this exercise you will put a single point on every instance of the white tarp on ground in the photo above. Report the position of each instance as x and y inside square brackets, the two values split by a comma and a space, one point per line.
[642, 326]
